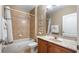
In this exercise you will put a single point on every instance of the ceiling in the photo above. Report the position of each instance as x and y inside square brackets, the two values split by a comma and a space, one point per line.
[24, 8]
[54, 8]
[28, 8]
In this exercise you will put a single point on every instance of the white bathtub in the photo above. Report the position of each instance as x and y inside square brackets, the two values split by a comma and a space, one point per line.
[18, 45]
[29, 40]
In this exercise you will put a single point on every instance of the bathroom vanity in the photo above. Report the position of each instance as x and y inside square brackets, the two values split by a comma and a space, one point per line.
[49, 45]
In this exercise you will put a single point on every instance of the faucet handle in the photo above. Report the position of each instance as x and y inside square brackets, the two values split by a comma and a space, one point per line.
[55, 37]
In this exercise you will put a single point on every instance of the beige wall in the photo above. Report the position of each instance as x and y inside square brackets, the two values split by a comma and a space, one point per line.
[41, 20]
[78, 23]
[38, 22]
[19, 27]
[78, 18]
[57, 15]
[32, 24]
[28, 29]
[1, 7]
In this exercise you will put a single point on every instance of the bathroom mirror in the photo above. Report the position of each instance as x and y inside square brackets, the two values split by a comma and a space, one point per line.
[69, 25]
[62, 20]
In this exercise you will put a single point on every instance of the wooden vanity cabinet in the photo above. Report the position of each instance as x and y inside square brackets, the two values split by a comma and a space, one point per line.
[53, 48]
[48, 47]
[42, 46]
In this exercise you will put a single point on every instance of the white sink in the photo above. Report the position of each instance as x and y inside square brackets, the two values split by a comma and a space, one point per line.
[60, 39]
[48, 37]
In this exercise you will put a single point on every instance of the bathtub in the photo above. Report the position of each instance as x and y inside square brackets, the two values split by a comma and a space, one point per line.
[18, 46]
[29, 40]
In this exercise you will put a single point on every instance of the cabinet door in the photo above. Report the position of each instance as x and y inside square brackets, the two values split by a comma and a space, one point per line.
[42, 46]
[52, 48]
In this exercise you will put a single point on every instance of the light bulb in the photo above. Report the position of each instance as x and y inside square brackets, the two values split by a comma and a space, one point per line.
[49, 6]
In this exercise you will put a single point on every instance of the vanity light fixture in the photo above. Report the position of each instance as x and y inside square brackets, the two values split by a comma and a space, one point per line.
[49, 6]
[52, 6]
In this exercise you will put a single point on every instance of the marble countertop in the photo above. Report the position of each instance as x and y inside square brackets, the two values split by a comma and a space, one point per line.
[60, 41]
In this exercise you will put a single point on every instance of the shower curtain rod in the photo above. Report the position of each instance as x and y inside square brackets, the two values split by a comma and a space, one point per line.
[20, 11]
